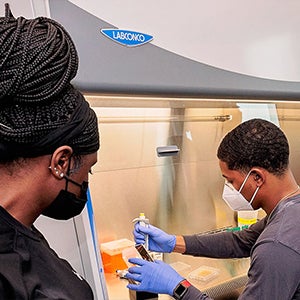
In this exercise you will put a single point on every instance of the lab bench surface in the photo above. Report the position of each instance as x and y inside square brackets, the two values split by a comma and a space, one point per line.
[227, 284]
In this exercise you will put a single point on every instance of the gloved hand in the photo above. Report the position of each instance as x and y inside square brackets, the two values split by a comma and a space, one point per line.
[154, 277]
[159, 241]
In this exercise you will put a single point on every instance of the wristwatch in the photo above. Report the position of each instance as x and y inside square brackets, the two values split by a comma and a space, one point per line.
[181, 289]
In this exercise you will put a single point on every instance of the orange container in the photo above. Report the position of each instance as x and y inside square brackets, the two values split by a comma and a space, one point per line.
[111, 253]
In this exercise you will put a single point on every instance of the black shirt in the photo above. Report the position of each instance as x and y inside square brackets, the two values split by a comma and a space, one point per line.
[30, 269]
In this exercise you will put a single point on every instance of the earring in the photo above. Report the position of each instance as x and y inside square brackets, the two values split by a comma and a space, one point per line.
[61, 175]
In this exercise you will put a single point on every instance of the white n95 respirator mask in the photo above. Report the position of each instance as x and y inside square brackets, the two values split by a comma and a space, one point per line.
[234, 199]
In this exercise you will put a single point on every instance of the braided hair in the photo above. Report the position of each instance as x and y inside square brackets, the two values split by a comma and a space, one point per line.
[37, 58]
[39, 108]
[255, 143]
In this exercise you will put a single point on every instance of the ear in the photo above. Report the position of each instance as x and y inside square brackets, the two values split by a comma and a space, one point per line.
[60, 161]
[259, 176]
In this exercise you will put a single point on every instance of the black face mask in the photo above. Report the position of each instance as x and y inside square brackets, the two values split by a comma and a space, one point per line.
[67, 205]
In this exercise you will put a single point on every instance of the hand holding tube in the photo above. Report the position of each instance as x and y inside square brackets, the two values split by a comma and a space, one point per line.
[159, 241]
[154, 277]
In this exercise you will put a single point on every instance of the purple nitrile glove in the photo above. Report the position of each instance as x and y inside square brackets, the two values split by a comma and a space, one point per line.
[159, 241]
[154, 277]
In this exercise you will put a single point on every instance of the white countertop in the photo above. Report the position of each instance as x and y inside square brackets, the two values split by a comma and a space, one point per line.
[228, 271]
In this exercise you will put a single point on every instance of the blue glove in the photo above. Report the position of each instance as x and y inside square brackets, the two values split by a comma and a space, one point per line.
[159, 241]
[154, 277]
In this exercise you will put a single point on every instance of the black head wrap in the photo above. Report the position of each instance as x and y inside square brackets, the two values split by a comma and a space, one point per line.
[39, 109]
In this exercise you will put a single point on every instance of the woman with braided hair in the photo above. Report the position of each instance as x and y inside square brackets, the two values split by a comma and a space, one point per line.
[254, 160]
[48, 143]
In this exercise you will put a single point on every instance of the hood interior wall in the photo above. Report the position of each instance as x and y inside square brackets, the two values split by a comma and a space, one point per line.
[129, 178]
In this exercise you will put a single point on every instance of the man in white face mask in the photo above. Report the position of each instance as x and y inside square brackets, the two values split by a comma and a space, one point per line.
[235, 199]
[254, 160]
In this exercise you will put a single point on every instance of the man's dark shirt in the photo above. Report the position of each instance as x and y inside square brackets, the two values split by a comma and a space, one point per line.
[273, 245]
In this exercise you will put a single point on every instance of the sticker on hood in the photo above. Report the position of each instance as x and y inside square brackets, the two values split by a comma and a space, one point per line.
[127, 37]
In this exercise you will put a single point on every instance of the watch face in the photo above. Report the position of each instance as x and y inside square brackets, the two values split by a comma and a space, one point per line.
[180, 290]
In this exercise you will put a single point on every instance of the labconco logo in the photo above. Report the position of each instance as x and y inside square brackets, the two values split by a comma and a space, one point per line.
[126, 37]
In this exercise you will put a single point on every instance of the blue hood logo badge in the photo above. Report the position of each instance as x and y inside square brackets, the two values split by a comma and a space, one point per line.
[127, 37]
